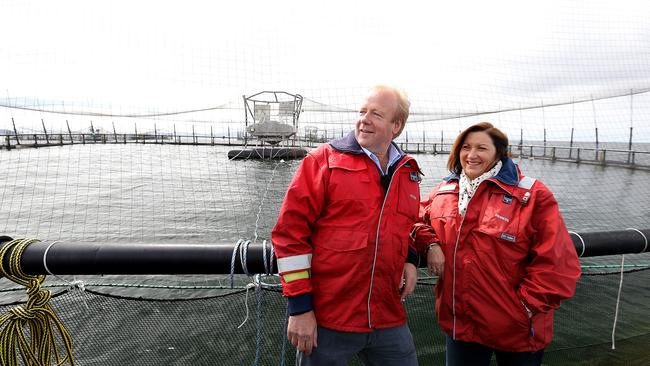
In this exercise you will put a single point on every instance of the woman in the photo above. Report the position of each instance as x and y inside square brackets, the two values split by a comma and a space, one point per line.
[502, 245]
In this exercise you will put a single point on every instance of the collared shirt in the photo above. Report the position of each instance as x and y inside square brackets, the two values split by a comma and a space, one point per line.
[394, 155]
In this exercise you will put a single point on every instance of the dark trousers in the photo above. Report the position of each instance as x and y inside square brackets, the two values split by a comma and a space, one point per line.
[473, 354]
[381, 347]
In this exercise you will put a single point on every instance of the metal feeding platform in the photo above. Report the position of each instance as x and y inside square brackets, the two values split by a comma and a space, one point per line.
[270, 118]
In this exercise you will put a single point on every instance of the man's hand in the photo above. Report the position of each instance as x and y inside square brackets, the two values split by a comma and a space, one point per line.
[409, 280]
[301, 332]
[435, 261]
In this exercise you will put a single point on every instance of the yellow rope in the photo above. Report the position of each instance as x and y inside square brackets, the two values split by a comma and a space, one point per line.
[29, 333]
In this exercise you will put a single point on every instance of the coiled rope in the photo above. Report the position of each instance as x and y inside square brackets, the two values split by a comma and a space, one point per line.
[32, 333]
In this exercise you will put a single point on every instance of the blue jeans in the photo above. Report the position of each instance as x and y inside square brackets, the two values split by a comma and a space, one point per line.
[473, 354]
[381, 347]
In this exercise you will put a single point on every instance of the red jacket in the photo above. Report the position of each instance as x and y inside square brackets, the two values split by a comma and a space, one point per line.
[511, 251]
[338, 225]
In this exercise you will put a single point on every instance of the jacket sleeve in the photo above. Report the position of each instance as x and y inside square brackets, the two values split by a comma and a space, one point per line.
[554, 267]
[291, 236]
[422, 234]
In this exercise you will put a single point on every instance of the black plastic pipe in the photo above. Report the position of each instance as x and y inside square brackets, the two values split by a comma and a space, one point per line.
[66, 258]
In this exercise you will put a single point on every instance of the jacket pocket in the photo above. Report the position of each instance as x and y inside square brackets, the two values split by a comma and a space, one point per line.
[443, 205]
[408, 195]
[343, 240]
[340, 262]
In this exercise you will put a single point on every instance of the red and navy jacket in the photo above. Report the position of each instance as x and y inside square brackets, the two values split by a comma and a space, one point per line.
[510, 253]
[342, 237]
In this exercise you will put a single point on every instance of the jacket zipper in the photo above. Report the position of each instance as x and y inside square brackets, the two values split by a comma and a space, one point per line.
[453, 283]
[453, 279]
[374, 259]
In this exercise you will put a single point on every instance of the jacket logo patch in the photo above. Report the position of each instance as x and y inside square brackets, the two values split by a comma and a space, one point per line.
[415, 177]
[503, 218]
[448, 187]
[508, 237]
[507, 200]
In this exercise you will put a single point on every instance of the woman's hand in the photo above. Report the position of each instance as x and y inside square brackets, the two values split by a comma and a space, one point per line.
[435, 261]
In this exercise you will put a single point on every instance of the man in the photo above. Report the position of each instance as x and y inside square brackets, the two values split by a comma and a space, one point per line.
[342, 242]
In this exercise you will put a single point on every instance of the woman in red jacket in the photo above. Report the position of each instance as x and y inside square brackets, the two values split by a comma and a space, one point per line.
[502, 253]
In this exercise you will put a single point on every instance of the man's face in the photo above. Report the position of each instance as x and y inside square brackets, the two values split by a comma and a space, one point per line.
[375, 126]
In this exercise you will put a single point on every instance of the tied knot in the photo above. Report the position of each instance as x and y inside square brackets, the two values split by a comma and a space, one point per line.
[21, 313]
[39, 300]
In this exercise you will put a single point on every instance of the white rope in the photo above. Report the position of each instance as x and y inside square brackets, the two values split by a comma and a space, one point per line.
[271, 259]
[74, 284]
[243, 256]
[620, 286]
[644, 238]
[232, 262]
[581, 240]
[258, 320]
[298, 357]
[266, 266]
[618, 300]
[45, 258]
[249, 286]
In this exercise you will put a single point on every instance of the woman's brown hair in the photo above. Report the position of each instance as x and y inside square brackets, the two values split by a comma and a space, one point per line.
[499, 139]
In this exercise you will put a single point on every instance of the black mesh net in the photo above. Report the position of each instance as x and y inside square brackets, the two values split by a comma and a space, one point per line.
[247, 326]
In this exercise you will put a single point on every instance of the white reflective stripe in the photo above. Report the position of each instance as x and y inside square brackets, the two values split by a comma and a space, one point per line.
[294, 263]
[526, 182]
[448, 187]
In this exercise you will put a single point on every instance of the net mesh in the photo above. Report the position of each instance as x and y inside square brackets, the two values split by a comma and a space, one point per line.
[144, 109]
[247, 327]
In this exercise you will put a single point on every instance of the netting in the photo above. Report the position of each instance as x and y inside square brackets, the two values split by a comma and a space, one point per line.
[240, 327]
[142, 103]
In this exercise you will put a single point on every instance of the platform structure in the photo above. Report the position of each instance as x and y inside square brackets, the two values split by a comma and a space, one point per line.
[270, 117]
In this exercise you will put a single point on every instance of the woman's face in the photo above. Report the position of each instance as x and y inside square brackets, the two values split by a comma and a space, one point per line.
[477, 154]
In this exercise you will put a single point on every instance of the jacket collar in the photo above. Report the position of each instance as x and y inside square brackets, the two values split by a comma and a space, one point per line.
[508, 175]
[349, 144]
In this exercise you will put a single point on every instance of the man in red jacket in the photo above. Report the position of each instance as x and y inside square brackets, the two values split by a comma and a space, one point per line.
[342, 242]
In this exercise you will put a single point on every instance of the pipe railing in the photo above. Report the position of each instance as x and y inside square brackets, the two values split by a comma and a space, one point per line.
[76, 258]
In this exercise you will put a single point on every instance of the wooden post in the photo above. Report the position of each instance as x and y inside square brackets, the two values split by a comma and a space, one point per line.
[424, 140]
[571, 144]
[136, 133]
[544, 126]
[228, 135]
[407, 140]
[92, 130]
[69, 132]
[15, 131]
[211, 137]
[593, 107]
[629, 145]
[193, 136]
[47, 138]
[175, 134]
[155, 134]
[8, 143]
[114, 132]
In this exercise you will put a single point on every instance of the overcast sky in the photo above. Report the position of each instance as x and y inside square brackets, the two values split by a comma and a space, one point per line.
[456, 57]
